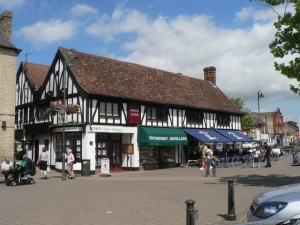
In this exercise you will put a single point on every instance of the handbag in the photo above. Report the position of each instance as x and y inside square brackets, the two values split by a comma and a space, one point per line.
[48, 169]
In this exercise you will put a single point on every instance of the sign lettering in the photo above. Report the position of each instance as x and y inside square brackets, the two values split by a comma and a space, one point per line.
[207, 135]
[134, 114]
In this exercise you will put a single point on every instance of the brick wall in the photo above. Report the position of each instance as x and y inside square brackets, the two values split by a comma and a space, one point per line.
[8, 66]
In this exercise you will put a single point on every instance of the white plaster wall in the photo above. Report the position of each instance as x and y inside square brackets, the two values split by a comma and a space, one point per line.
[129, 136]
[88, 150]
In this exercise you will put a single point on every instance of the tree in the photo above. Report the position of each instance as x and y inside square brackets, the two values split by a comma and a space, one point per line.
[247, 120]
[287, 39]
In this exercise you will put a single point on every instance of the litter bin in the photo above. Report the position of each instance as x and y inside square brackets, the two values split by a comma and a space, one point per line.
[85, 167]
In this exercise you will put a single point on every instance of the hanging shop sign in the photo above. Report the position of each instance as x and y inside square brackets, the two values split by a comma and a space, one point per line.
[134, 114]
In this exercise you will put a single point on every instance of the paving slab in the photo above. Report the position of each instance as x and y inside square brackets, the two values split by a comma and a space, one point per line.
[145, 197]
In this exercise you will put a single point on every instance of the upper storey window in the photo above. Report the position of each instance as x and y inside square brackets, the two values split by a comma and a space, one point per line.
[155, 113]
[109, 109]
[40, 111]
[194, 117]
[223, 119]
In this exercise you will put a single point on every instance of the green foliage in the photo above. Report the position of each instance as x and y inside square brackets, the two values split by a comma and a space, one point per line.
[287, 40]
[246, 120]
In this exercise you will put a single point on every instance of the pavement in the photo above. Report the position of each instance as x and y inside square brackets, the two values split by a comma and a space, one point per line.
[146, 197]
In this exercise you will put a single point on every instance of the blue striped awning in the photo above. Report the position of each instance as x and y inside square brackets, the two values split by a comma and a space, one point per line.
[235, 135]
[207, 135]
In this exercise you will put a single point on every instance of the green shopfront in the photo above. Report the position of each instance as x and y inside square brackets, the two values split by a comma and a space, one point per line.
[160, 147]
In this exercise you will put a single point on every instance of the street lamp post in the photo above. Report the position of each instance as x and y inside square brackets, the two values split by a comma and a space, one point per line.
[76, 59]
[63, 168]
[259, 95]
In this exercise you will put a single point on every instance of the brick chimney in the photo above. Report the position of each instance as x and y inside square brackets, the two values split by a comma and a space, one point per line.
[6, 23]
[210, 74]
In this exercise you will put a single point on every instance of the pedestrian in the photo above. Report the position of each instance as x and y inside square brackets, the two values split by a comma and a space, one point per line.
[7, 168]
[256, 156]
[211, 161]
[267, 154]
[70, 162]
[43, 163]
[204, 151]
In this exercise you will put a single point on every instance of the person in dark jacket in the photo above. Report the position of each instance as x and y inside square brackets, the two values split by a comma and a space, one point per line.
[26, 166]
[267, 154]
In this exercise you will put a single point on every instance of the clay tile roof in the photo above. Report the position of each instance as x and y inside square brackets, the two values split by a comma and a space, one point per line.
[109, 77]
[36, 73]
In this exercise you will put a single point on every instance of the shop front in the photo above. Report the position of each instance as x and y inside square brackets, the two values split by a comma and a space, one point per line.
[73, 141]
[109, 142]
[159, 146]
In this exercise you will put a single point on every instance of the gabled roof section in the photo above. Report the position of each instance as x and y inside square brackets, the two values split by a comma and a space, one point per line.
[108, 77]
[35, 73]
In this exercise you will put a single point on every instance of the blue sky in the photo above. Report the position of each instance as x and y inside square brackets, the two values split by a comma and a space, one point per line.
[173, 35]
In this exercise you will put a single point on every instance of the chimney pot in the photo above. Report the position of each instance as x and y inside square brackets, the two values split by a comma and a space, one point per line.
[210, 74]
[6, 23]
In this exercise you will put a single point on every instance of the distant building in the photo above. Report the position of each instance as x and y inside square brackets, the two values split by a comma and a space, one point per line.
[291, 132]
[272, 131]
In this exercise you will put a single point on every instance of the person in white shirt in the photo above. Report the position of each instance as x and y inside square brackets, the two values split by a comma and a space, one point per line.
[210, 160]
[256, 157]
[7, 168]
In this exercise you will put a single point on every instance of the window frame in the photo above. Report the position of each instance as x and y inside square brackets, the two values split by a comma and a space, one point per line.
[109, 109]
[157, 113]
[223, 119]
[73, 141]
[40, 111]
[194, 116]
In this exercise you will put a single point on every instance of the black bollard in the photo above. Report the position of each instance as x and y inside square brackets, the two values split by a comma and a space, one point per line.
[189, 211]
[231, 208]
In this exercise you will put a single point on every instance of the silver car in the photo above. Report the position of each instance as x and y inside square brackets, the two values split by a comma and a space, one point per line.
[273, 222]
[278, 204]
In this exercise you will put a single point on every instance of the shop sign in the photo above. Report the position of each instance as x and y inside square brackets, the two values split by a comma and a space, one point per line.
[134, 114]
[67, 129]
[106, 129]
[159, 138]
[128, 148]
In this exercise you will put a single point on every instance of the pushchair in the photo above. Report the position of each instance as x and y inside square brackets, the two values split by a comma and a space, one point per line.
[21, 177]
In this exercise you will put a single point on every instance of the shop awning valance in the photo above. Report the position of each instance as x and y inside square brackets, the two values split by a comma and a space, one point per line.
[207, 135]
[235, 135]
[160, 136]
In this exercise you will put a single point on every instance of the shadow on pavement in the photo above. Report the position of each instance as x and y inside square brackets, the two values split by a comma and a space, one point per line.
[272, 180]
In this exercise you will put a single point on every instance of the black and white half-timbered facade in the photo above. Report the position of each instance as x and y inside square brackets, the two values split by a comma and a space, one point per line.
[131, 114]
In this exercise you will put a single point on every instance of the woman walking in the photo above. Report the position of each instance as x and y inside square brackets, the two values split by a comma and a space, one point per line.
[211, 161]
[70, 162]
[43, 162]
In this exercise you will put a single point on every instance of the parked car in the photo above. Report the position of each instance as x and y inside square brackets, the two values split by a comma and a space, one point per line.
[296, 158]
[273, 222]
[278, 204]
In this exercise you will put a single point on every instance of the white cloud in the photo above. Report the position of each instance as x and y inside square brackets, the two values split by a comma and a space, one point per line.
[244, 14]
[83, 9]
[187, 44]
[121, 21]
[48, 32]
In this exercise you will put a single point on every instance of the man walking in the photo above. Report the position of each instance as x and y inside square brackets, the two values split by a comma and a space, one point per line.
[268, 153]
